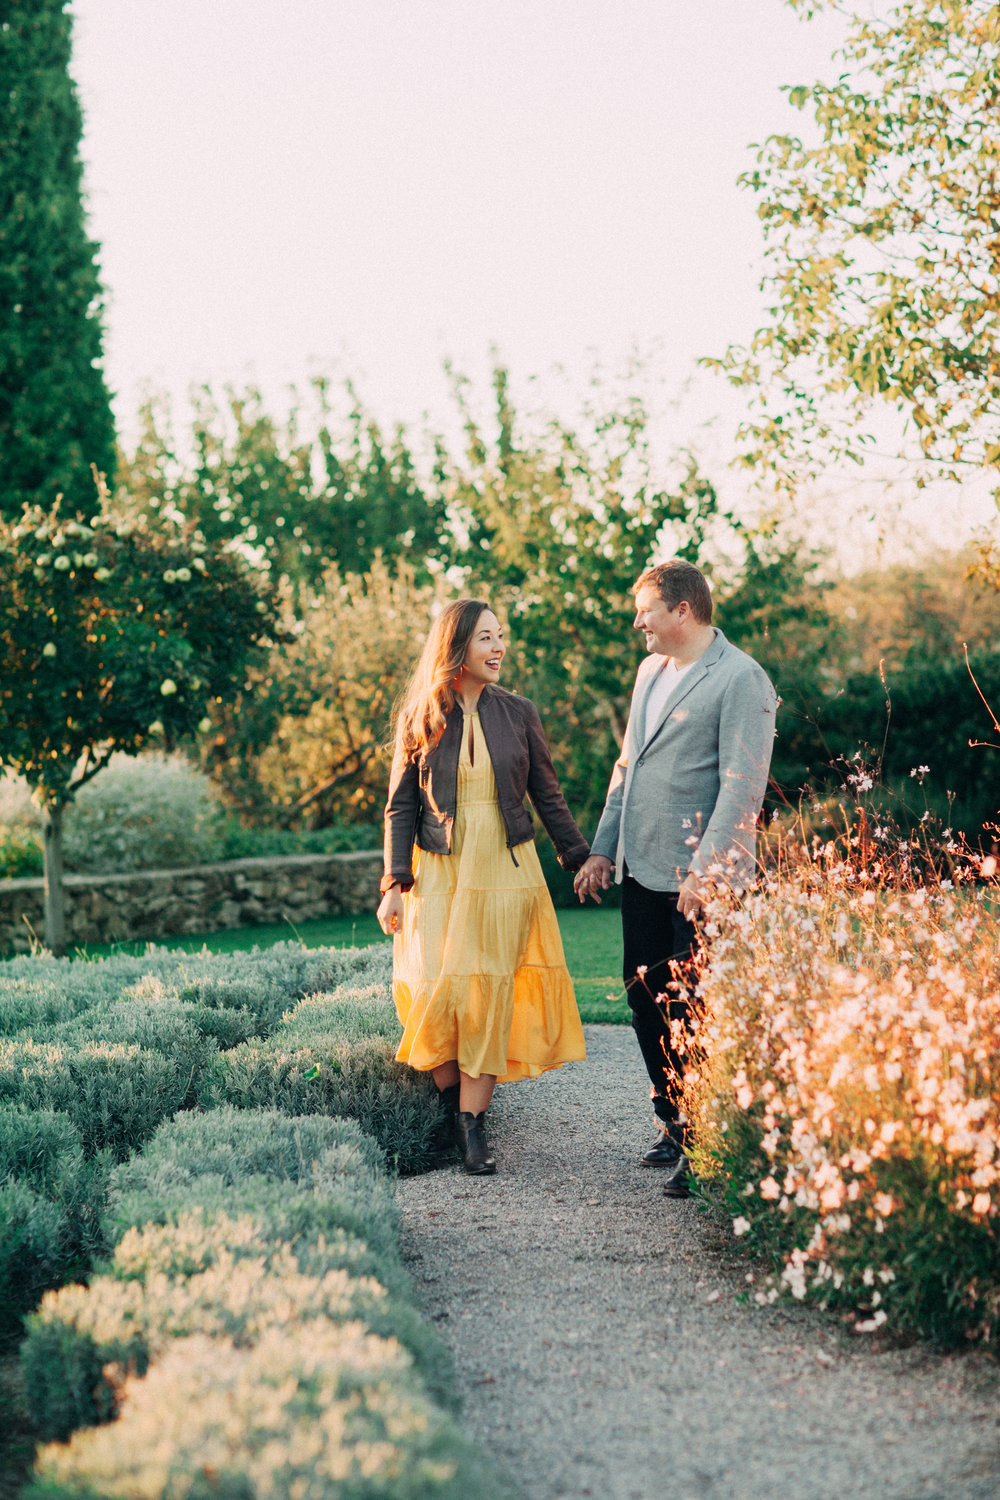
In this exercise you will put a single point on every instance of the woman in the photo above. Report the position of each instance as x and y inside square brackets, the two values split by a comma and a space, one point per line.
[479, 978]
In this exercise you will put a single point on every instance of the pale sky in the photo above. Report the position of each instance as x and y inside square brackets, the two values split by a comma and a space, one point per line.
[369, 188]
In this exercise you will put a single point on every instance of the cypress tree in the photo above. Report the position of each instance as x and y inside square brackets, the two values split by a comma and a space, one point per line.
[55, 413]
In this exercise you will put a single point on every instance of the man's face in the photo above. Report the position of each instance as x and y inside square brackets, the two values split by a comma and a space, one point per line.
[661, 626]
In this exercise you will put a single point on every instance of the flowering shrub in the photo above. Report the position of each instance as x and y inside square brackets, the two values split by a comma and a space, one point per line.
[844, 1081]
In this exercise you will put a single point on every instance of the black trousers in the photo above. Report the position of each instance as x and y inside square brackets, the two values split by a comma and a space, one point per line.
[661, 943]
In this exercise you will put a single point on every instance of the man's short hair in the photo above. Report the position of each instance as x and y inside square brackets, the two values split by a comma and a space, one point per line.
[676, 581]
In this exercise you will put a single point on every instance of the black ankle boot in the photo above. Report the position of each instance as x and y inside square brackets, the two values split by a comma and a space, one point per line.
[476, 1156]
[446, 1133]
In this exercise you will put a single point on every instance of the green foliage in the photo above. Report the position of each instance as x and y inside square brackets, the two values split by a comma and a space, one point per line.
[236, 1233]
[234, 1144]
[926, 713]
[297, 503]
[112, 633]
[52, 1203]
[149, 1016]
[551, 522]
[32, 1231]
[20, 854]
[55, 414]
[309, 734]
[131, 1320]
[39, 1147]
[882, 249]
[231, 1227]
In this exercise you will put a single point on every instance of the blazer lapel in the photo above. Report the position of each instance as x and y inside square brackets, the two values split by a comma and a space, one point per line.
[690, 680]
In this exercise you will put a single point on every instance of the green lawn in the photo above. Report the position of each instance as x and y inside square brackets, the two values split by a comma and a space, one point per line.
[591, 938]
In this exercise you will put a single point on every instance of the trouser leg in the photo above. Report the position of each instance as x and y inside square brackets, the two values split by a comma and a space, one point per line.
[656, 940]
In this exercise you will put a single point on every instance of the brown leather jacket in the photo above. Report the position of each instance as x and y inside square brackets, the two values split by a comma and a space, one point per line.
[423, 793]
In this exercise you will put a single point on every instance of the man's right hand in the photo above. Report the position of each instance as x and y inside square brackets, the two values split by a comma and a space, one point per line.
[593, 875]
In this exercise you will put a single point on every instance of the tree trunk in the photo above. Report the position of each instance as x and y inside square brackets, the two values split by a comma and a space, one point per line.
[55, 898]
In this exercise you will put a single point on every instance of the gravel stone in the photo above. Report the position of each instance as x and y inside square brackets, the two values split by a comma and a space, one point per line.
[603, 1349]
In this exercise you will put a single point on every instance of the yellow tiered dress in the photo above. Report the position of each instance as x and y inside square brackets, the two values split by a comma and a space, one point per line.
[479, 972]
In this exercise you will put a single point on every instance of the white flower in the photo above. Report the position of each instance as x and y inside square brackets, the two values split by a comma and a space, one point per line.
[183, 575]
[740, 1225]
[90, 560]
[199, 563]
[170, 576]
[988, 866]
[870, 1325]
[62, 562]
[49, 649]
[156, 727]
[168, 687]
[205, 724]
[101, 574]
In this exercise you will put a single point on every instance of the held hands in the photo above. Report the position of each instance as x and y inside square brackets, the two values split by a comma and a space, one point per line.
[593, 875]
[390, 911]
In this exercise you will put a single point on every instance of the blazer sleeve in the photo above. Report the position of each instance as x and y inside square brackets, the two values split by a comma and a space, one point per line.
[746, 738]
[548, 801]
[401, 811]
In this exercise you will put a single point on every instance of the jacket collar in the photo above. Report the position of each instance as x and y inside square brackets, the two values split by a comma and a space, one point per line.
[698, 671]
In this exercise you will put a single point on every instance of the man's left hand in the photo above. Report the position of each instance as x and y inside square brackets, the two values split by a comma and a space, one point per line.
[691, 897]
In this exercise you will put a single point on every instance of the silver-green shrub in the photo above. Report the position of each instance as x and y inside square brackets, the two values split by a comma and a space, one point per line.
[33, 1231]
[334, 1055]
[39, 991]
[52, 1208]
[233, 1144]
[294, 1221]
[115, 1093]
[142, 812]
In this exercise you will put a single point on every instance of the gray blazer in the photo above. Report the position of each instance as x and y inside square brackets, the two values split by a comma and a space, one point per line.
[686, 799]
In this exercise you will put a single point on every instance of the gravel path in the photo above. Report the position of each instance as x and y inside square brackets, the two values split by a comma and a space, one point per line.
[603, 1350]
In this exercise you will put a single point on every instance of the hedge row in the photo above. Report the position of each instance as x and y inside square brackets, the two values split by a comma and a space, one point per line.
[94, 1056]
[333, 1055]
[248, 1335]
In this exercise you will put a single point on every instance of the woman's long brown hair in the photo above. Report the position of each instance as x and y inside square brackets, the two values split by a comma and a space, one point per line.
[430, 694]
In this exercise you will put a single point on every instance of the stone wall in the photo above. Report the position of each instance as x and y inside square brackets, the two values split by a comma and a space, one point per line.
[151, 904]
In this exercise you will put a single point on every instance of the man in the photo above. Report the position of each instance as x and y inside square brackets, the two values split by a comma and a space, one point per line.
[681, 809]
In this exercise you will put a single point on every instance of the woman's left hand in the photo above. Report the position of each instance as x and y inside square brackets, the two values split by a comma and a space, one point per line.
[390, 911]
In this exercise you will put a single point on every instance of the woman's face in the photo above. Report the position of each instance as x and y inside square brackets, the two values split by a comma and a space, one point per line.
[485, 650]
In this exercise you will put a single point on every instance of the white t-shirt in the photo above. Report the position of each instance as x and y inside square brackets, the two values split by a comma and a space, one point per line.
[663, 686]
